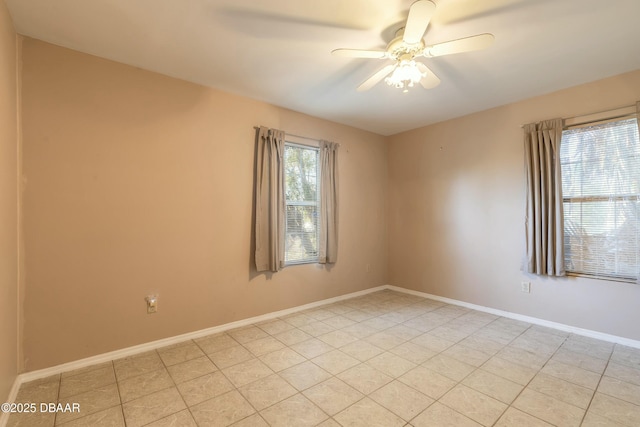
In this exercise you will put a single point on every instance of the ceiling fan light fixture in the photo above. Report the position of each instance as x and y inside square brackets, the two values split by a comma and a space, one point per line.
[405, 75]
[408, 44]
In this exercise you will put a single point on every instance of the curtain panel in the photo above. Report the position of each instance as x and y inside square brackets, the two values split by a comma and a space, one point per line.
[269, 202]
[328, 245]
[544, 221]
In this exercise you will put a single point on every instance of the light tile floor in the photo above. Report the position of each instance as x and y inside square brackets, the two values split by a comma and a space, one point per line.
[385, 359]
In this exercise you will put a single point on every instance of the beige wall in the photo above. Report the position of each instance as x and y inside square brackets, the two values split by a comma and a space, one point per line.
[8, 204]
[137, 183]
[456, 222]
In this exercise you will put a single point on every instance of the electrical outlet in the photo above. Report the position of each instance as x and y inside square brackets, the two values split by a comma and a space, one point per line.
[526, 287]
[152, 304]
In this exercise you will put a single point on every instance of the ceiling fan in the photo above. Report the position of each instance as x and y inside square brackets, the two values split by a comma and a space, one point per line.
[408, 45]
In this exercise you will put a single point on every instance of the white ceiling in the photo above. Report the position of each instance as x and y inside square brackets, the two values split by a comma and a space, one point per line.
[278, 51]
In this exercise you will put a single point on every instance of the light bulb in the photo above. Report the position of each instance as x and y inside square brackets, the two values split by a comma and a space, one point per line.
[405, 75]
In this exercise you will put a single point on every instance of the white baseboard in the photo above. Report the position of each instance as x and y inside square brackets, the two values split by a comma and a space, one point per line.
[131, 351]
[533, 320]
[4, 416]
[137, 349]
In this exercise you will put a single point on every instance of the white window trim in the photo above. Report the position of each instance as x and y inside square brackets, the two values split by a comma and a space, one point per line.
[593, 119]
[601, 117]
[301, 141]
[305, 143]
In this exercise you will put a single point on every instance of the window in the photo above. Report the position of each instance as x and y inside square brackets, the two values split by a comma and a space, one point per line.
[302, 200]
[601, 186]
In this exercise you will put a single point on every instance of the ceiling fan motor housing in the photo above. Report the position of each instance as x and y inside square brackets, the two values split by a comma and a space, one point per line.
[398, 47]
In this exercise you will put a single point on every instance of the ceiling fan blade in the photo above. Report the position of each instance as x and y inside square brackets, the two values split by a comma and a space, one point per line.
[373, 80]
[420, 14]
[467, 44]
[358, 53]
[430, 80]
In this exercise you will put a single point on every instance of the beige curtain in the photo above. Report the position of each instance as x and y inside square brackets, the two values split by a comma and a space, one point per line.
[269, 203]
[544, 221]
[328, 246]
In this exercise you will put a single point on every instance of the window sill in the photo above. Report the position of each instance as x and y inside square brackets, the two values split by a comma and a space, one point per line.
[290, 263]
[607, 278]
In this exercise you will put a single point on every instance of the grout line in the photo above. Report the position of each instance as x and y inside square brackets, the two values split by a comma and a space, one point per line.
[392, 324]
[528, 319]
[532, 378]
[598, 386]
[55, 418]
[113, 366]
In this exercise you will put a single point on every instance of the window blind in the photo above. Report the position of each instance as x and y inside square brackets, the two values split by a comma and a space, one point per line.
[601, 188]
[302, 197]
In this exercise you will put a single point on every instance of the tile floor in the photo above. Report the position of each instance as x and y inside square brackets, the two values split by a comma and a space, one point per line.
[385, 359]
